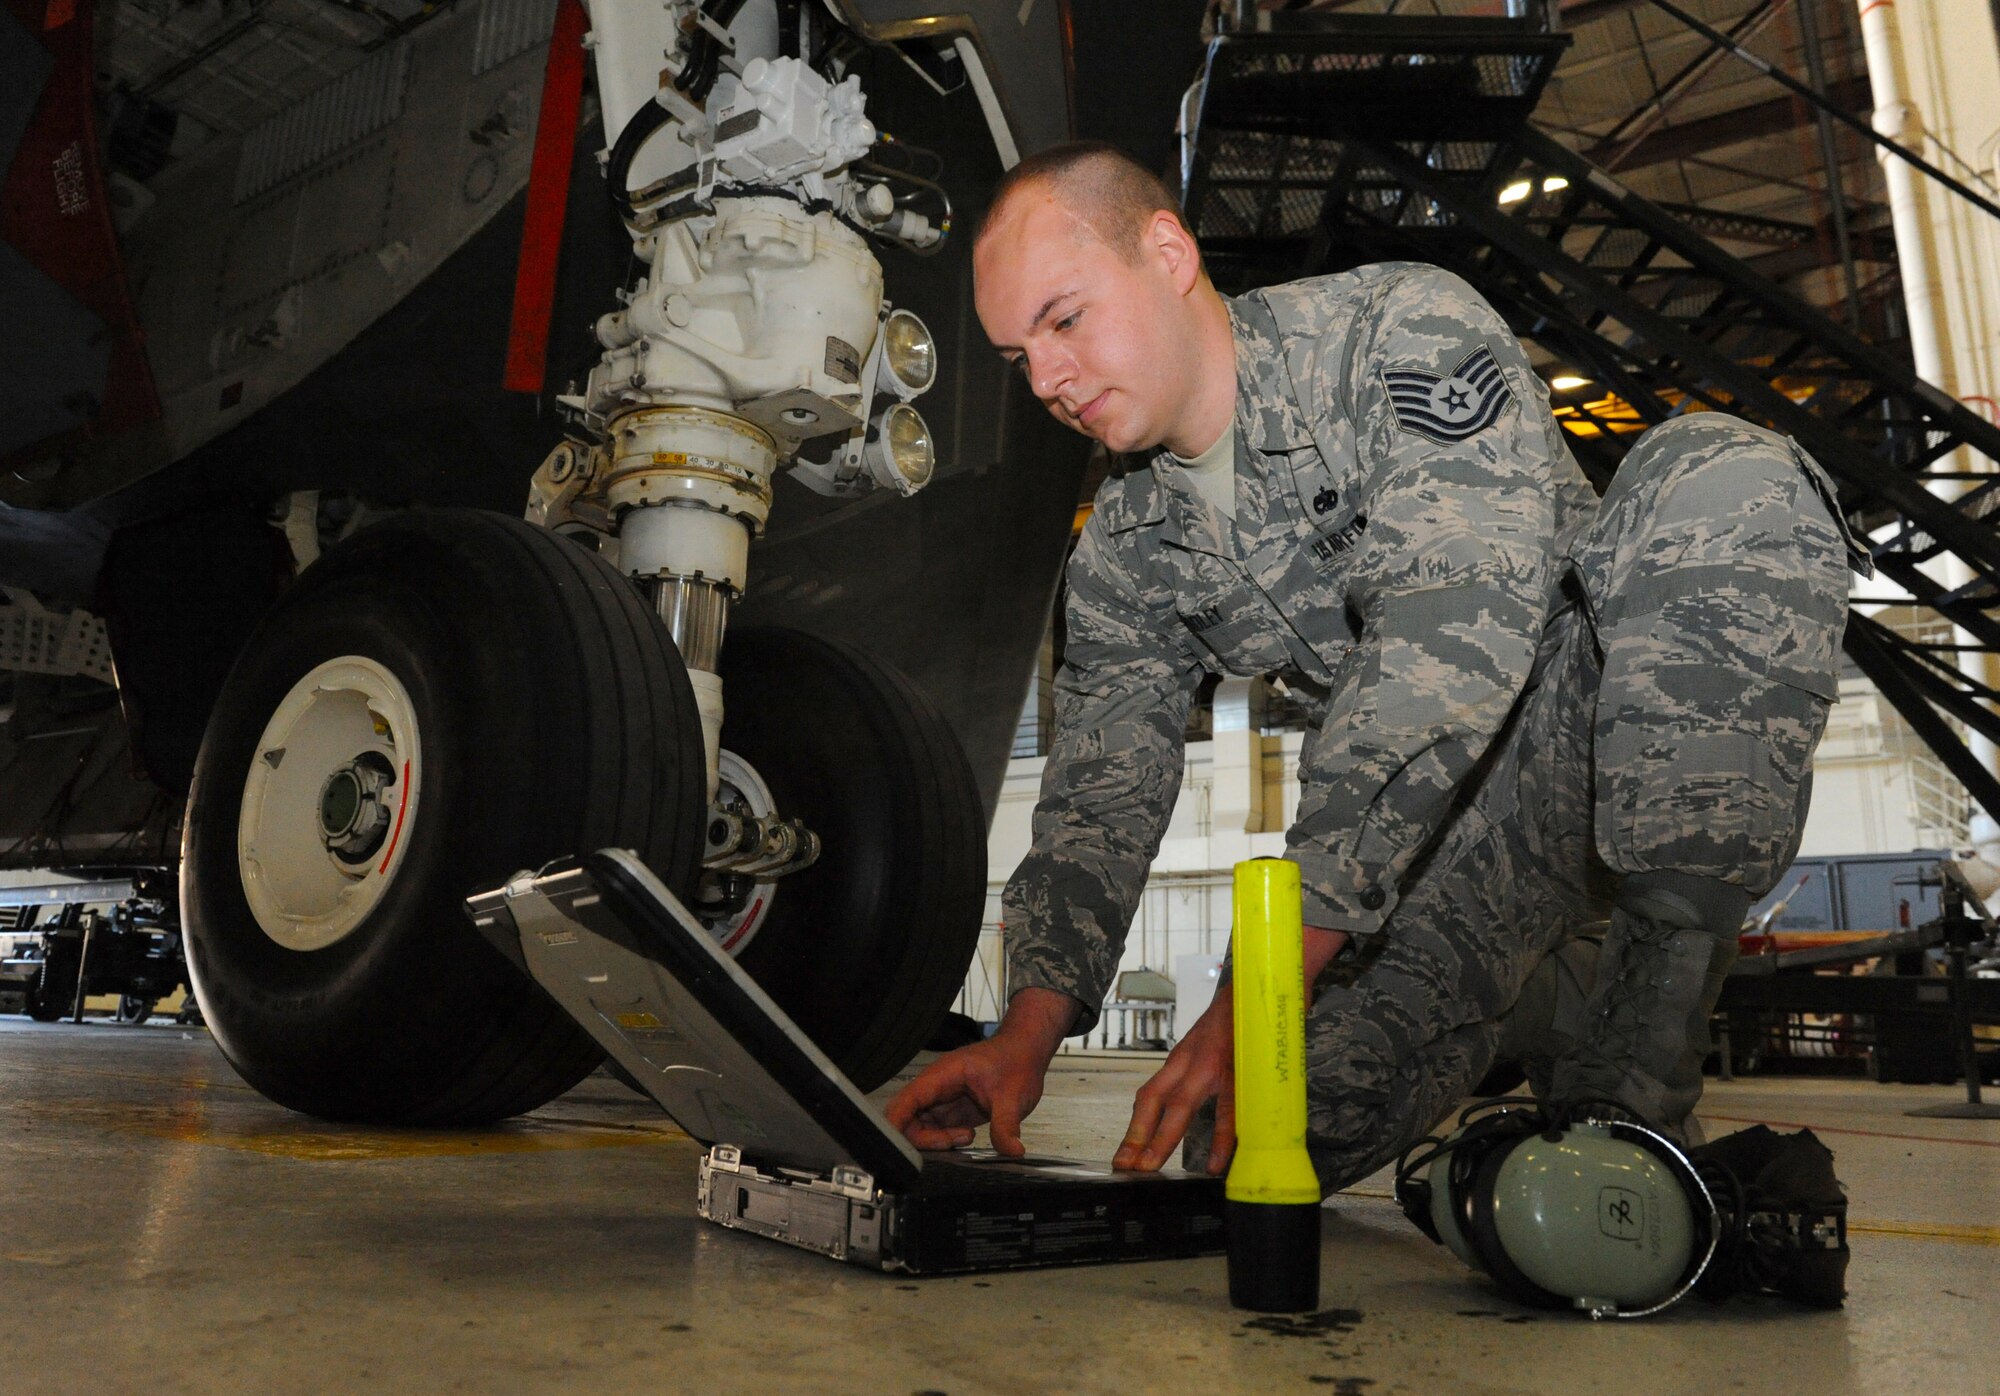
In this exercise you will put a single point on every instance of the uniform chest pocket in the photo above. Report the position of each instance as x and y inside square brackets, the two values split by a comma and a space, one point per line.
[1330, 523]
[1322, 496]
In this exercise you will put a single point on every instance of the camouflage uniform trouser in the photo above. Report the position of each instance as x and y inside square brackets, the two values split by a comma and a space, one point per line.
[1670, 725]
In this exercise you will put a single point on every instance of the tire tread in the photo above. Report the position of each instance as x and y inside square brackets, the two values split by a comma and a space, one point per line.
[617, 745]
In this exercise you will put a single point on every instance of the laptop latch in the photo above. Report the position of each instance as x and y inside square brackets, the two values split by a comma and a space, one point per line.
[857, 1183]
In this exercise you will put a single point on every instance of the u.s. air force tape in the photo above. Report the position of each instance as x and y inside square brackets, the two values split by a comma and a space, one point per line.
[1449, 407]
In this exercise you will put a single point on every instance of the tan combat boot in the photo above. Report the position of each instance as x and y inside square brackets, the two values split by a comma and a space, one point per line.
[1669, 948]
[1548, 1017]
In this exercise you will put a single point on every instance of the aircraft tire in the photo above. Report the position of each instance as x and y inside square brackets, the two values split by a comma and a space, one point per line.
[867, 948]
[545, 711]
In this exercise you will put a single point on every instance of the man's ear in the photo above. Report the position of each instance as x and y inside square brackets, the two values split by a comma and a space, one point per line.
[1168, 239]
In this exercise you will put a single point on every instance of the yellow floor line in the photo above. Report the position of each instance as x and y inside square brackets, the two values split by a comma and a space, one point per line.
[331, 1147]
[1929, 1231]
[194, 1118]
[191, 1083]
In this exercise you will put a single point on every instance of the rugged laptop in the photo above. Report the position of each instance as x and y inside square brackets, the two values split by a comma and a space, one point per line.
[794, 1151]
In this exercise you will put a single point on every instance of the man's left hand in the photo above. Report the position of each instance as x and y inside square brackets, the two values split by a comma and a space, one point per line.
[1201, 1067]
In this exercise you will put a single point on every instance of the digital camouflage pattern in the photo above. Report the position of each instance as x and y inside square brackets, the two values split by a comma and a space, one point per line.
[1711, 521]
[1400, 577]
[1521, 695]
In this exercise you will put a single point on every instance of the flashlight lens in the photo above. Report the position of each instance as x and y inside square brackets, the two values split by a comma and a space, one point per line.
[911, 353]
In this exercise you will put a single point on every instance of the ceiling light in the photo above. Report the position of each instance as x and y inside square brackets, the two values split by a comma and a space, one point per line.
[1553, 183]
[1517, 191]
[1563, 382]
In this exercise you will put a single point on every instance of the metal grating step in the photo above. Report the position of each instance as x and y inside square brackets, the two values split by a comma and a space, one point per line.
[1377, 76]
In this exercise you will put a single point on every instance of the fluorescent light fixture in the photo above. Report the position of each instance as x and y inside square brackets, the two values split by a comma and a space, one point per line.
[1517, 191]
[1563, 382]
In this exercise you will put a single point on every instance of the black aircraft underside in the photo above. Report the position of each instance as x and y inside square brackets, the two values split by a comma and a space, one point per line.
[952, 586]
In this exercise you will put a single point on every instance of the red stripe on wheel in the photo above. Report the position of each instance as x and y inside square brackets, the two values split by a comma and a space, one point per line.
[402, 808]
[749, 920]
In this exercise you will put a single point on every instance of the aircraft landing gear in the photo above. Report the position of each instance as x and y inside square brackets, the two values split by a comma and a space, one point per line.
[865, 949]
[450, 697]
[441, 701]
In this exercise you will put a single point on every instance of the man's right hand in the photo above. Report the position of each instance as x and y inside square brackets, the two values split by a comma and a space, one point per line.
[998, 1080]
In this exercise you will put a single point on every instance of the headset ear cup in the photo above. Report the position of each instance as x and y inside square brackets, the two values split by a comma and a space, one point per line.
[1477, 1218]
[1413, 1195]
[1481, 1137]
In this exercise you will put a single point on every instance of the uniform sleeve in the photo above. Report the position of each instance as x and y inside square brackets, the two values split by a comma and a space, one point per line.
[1450, 583]
[1113, 773]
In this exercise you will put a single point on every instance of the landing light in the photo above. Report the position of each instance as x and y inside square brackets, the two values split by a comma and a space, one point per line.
[909, 355]
[899, 454]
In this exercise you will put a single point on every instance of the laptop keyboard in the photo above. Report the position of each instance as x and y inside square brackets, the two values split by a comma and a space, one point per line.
[984, 1168]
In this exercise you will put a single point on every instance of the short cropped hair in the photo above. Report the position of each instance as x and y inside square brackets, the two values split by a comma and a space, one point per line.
[1111, 193]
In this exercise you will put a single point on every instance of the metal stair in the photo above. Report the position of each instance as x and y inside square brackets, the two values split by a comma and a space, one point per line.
[1319, 149]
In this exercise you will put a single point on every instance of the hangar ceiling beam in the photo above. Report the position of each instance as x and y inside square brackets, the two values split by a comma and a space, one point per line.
[1641, 123]
[1867, 244]
[1771, 117]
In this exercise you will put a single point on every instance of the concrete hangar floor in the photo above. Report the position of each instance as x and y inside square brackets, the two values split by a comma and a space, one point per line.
[164, 1228]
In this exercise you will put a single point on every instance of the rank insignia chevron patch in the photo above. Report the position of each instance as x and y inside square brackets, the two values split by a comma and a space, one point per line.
[1449, 407]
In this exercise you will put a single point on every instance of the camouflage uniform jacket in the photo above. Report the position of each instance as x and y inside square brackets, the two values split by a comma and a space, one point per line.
[1404, 509]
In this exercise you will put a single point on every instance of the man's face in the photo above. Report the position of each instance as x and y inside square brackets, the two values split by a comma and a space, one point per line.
[1094, 334]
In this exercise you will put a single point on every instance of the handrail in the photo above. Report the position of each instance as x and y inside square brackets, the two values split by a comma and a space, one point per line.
[1846, 118]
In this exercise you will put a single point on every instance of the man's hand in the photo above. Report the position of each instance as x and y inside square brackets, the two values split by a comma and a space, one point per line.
[999, 1079]
[1202, 1067]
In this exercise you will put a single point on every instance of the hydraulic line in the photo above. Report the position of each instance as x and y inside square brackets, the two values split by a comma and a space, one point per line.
[696, 81]
[923, 187]
[648, 119]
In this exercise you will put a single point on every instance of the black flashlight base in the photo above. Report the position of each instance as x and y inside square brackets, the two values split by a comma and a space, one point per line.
[1273, 1256]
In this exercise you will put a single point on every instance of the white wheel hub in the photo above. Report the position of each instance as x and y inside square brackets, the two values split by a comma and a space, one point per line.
[741, 786]
[328, 803]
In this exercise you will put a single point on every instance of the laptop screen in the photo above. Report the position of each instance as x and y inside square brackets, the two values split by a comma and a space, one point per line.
[656, 991]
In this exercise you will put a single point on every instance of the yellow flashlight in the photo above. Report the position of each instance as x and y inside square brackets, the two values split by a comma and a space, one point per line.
[1272, 1192]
